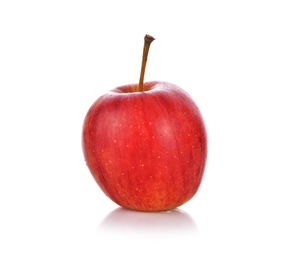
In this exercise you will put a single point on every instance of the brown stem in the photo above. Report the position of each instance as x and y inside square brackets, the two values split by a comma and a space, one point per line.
[148, 40]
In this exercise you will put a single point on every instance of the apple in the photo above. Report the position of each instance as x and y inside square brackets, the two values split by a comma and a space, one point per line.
[145, 144]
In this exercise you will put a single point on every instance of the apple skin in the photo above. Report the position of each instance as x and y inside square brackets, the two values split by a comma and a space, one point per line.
[146, 150]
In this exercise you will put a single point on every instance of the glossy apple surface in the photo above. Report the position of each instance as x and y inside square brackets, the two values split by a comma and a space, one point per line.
[146, 150]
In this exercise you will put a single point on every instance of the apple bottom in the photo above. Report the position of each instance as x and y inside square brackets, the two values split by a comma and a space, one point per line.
[149, 190]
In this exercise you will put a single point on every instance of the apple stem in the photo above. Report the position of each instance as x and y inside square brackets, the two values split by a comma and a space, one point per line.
[147, 41]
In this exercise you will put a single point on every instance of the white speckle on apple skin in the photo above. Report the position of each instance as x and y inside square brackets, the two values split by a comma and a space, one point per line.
[127, 145]
[115, 141]
[158, 156]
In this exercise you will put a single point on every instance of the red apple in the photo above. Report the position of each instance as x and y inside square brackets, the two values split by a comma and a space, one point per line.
[146, 149]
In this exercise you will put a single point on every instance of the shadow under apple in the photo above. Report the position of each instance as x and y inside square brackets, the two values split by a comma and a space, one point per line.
[174, 221]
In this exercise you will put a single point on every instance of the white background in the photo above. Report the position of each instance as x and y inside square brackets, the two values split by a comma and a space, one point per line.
[239, 60]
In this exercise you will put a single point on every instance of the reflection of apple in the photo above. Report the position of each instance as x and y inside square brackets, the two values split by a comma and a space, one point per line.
[168, 222]
[146, 144]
